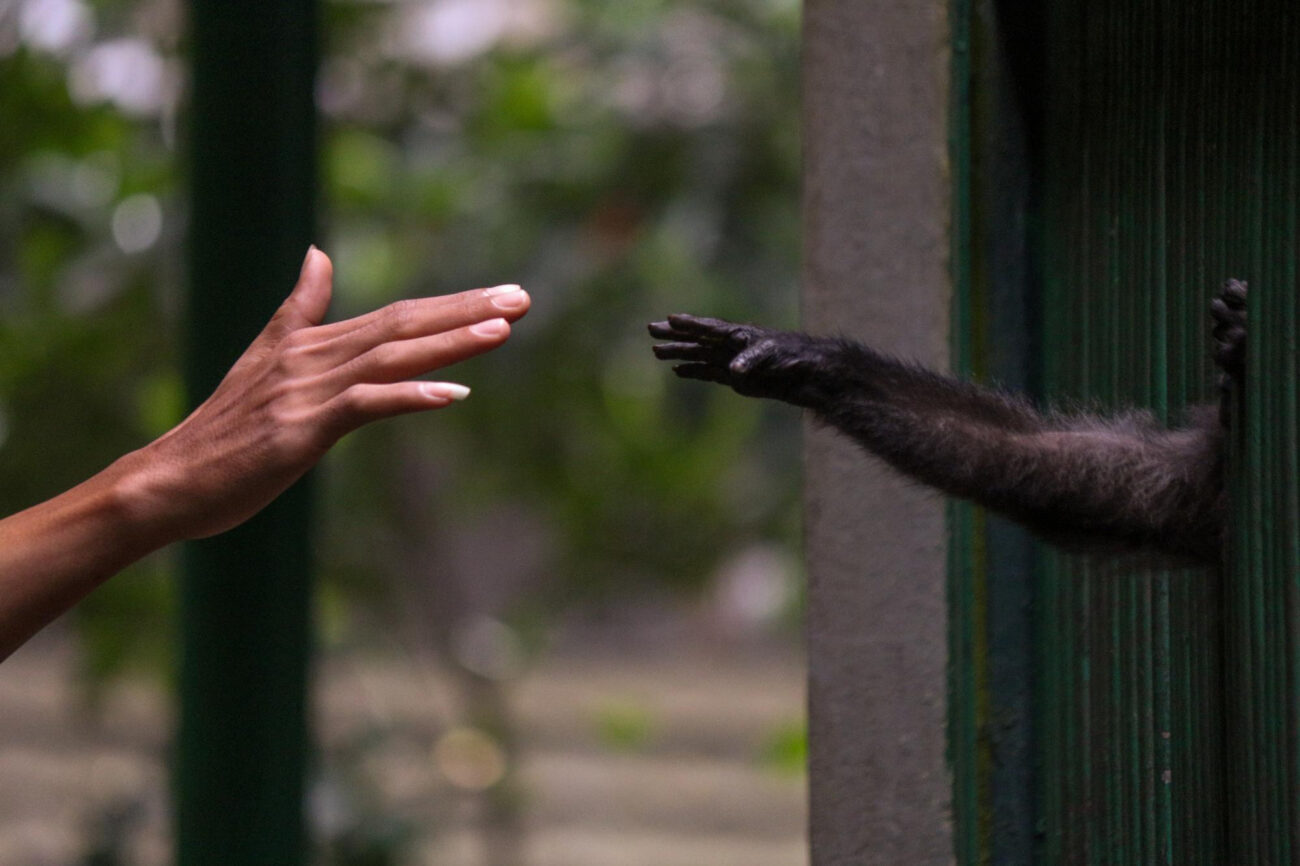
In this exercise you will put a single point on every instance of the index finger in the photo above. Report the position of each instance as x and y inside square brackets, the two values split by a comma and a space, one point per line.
[702, 328]
[422, 317]
[679, 325]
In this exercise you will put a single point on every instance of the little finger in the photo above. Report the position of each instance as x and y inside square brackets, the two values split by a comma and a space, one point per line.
[363, 403]
[703, 372]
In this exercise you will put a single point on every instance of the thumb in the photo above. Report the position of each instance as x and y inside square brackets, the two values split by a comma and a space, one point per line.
[310, 298]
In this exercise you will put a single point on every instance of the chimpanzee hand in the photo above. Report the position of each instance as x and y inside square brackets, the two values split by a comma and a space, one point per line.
[756, 362]
[1229, 313]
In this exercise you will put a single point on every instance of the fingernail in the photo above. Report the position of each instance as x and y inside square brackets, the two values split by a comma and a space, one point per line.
[491, 328]
[507, 297]
[305, 259]
[445, 390]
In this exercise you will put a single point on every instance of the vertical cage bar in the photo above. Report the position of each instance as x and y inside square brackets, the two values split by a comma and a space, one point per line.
[245, 598]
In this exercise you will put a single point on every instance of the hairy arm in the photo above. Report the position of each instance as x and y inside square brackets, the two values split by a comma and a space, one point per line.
[1121, 483]
[298, 388]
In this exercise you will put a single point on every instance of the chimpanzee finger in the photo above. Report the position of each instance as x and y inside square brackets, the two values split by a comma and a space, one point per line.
[692, 352]
[1231, 351]
[664, 331]
[712, 330]
[703, 372]
[695, 330]
[1227, 334]
[1224, 313]
[756, 354]
[1219, 310]
[1234, 294]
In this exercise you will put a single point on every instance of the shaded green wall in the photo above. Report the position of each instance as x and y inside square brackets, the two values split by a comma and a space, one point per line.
[1166, 147]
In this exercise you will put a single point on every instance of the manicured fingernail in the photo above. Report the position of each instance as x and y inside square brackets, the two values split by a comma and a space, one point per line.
[445, 390]
[507, 297]
[491, 328]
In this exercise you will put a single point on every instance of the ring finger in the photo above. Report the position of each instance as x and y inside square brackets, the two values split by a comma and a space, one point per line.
[405, 359]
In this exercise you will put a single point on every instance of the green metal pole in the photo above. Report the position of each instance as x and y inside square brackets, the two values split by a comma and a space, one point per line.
[245, 601]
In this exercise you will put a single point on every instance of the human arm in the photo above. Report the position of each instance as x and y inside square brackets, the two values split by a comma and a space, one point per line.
[299, 387]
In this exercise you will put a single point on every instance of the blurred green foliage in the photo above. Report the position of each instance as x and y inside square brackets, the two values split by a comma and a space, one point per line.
[786, 750]
[625, 725]
[621, 159]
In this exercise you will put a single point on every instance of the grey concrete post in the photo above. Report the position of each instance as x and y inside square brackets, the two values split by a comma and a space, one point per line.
[876, 208]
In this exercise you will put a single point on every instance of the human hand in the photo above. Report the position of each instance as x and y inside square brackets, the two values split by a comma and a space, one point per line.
[298, 389]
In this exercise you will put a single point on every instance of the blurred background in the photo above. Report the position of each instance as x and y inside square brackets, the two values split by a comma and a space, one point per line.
[622, 682]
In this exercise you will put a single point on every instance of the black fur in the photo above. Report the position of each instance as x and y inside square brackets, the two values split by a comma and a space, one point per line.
[1115, 484]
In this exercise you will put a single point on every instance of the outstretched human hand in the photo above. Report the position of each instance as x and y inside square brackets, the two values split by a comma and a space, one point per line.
[302, 385]
[298, 388]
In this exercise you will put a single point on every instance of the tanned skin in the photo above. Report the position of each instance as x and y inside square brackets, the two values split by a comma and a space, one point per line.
[299, 387]
[1122, 483]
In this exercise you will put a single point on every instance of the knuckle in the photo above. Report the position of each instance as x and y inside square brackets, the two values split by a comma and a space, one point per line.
[296, 339]
[297, 355]
[288, 364]
[283, 444]
[301, 433]
[400, 316]
[381, 357]
[349, 404]
[285, 417]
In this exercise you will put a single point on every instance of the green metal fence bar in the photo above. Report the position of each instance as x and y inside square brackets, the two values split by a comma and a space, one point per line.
[991, 561]
[242, 735]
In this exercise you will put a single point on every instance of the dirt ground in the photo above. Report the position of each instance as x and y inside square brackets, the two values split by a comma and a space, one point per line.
[623, 759]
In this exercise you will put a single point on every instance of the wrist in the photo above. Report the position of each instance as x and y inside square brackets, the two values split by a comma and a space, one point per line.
[141, 499]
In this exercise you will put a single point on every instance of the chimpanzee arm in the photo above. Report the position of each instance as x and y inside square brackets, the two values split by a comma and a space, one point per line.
[1121, 483]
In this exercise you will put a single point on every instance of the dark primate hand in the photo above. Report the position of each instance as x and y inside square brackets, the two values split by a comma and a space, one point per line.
[756, 362]
[1229, 313]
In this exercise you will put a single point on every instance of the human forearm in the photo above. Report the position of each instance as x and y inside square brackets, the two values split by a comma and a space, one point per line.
[54, 553]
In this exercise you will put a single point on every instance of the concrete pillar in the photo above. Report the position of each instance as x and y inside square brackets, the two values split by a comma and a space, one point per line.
[876, 209]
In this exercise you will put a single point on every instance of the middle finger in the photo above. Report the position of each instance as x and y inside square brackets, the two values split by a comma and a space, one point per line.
[399, 360]
[416, 318]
